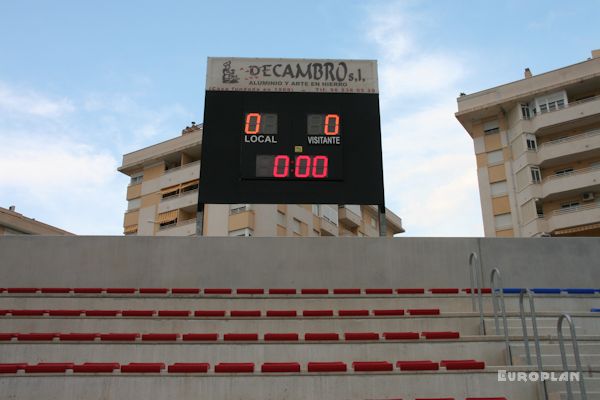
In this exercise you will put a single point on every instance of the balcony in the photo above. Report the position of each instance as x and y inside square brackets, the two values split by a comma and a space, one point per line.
[569, 146]
[181, 228]
[184, 173]
[580, 179]
[348, 218]
[574, 111]
[584, 214]
[181, 200]
[328, 228]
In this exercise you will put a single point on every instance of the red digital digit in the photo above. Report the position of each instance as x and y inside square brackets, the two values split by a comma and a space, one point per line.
[332, 124]
[320, 163]
[281, 170]
[252, 123]
[302, 169]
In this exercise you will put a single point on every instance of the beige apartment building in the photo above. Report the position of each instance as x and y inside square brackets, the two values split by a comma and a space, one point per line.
[537, 145]
[163, 195]
[14, 223]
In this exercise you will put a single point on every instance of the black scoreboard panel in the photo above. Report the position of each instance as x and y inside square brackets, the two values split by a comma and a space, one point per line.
[291, 148]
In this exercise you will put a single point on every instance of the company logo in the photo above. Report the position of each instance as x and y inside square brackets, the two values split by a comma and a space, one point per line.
[229, 75]
[509, 376]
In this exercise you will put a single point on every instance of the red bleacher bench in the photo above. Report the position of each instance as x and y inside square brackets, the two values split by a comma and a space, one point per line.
[361, 336]
[96, 367]
[346, 291]
[101, 313]
[7, 336]
[462, 364]
[48, 368]
[88, 290]
[250, 291]
[440, 335]
[78, 336]
[321, 336]
[153, 290]
[421, 365]
[36, 336]
[282, 291]
[360, 366]
[164, 337]
[444, 290]
[486, 398]
[314, 291]
[379, 291]
[240, 336]
[317, 313]
[282, 313]
[395, 312]
[142, 367]
[335, 366]
[435, 398]
[217, 291]
[401, 335]
[185, 290]
[410, 291]
[4, 312]
[22, 290]
[56, 290]
[65, 313]
[173, 313]
[120, 290]
[234, 367]
[280, 367]
[121, 337]
[353, 313]
[209, 313]
[245, 313]
[138, 313]
[200, 336]
[11, 368]
[281, 336]
[19, 313]
[188, 368]
[483, 290]
[424, 311]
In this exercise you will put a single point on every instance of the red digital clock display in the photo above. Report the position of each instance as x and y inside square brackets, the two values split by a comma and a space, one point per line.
[305, 146]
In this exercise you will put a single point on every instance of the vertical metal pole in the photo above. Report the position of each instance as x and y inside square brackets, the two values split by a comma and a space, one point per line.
[200, 220]
[382, 221]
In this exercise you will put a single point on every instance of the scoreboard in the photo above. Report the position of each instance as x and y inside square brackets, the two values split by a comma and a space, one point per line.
[288, 131]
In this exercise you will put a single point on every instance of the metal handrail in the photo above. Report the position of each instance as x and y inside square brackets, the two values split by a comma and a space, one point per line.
[497, 291]
[476, 284]
[563, 356]
[536, 336]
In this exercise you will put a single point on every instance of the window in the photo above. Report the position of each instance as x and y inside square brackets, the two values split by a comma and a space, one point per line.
[531, 142]
[170, 192]
[563, 172]
[296, 226]
[571, 206]
[133, 204]
[281, 219]
[189, 186]
[491, 127]
[536, 175]
[503, 220]
[137, 178]
[315, 209]
[246, 232]
[499, 188]
[238, 208]
[525, 111]
[495, 157]
[595, 165]
[551, 102]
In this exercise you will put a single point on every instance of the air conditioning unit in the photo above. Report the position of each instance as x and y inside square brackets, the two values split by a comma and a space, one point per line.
[588, 196]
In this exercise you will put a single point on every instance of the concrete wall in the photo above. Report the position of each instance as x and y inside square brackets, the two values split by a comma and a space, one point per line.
[293, 262]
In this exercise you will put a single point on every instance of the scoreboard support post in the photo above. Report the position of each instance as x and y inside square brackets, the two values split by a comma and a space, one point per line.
[382, 222]
[200, 220]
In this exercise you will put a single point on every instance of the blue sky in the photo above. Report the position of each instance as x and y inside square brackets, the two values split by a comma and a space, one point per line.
[82, 83]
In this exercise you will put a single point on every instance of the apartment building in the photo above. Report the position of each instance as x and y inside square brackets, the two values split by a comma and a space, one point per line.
[537, 145]
[162, 200]
[14, 223]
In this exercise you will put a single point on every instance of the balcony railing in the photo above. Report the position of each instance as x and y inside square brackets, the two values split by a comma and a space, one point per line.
[570, 104]
[573, 209]
[572, 173]
[571, 138]
[178, 224]
[178, 195]
[168, 171]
